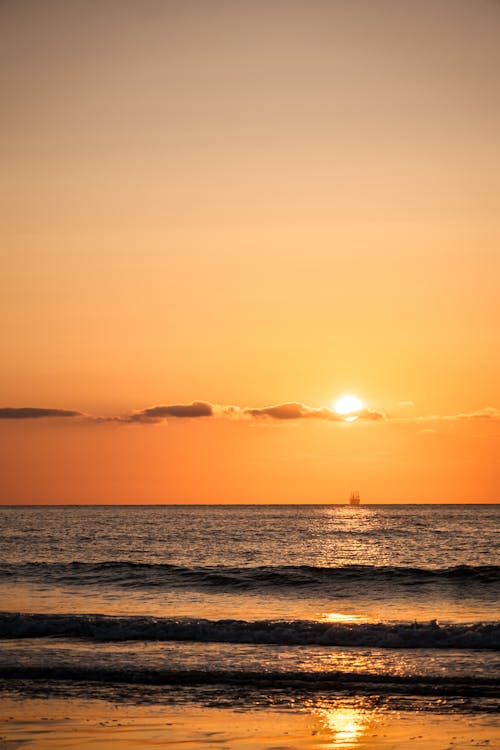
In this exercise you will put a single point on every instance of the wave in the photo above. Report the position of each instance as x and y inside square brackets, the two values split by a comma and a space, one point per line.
[393, 635]
[328, 580]
[248, 679]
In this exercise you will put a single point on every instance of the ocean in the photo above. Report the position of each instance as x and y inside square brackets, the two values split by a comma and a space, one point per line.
[251, 607]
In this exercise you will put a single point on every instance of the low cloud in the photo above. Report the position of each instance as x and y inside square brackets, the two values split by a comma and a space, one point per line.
[33, 412]
[292, 410]
[288, 411]
[296, 410]
[488, 412]
[178, 411]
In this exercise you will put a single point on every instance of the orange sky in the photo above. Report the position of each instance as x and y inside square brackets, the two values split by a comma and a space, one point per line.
[249, 204]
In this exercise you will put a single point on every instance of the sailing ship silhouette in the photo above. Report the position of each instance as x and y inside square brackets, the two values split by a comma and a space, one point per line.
[354, 499]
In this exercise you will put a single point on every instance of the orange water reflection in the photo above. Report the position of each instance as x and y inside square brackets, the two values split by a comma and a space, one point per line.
[345, 725]
[339, 617]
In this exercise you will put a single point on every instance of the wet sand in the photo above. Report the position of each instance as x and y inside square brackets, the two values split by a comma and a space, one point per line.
[50, 724]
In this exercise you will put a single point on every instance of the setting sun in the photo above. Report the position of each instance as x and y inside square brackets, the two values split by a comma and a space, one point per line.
[348, 406]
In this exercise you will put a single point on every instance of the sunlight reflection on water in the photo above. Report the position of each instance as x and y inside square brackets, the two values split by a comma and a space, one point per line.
[339, 617]
[346, 725]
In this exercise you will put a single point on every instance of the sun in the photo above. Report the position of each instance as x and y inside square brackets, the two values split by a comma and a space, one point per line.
[348, 407]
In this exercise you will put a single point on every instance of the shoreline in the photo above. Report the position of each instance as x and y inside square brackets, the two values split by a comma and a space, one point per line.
[56, 724]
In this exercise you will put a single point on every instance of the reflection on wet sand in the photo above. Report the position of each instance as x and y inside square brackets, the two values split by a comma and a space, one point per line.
[346, 725]
[60, 723]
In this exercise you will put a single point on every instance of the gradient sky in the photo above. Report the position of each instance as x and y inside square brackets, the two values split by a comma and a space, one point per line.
[247, 204]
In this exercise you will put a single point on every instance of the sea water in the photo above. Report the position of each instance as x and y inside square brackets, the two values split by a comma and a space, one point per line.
[252, 605]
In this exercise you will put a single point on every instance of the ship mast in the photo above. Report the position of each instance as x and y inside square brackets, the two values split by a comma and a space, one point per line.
[354, 498]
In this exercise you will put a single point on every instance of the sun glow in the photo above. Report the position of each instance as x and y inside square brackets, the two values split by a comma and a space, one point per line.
[348, 406]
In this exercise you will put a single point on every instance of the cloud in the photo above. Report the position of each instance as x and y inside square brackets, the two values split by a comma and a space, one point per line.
[178, 411]
[297, 410]
[371, 415]
[489, 412]
[288, 411]
[291, 410]
[33, 412]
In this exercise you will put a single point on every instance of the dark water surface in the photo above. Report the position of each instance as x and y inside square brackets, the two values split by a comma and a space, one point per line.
[401, 600]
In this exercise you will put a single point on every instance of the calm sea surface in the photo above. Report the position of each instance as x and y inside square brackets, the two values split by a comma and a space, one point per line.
[261, 604]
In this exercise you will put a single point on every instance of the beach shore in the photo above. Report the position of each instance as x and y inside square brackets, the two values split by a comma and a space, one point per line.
[48, 724]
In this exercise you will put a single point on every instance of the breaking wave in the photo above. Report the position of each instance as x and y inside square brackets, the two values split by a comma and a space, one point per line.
[396, 635]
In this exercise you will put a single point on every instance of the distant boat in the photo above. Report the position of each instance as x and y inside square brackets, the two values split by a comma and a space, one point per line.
[354, 498]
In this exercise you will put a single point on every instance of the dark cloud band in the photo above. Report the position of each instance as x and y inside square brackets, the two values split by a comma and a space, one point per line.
[288, 411]
[178, 411]
[32, 412]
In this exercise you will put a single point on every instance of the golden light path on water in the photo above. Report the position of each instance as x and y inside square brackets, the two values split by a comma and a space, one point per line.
[339, 617]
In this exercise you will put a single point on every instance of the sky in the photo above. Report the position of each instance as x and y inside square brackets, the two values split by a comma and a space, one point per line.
[220, 216]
